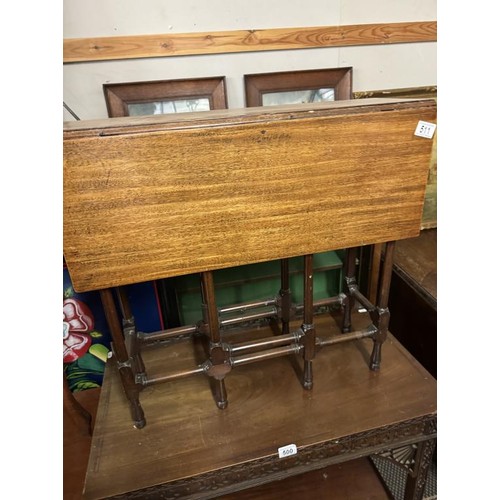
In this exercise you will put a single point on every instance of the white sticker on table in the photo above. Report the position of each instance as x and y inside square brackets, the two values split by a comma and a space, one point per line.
[425, 129]
[287, 451]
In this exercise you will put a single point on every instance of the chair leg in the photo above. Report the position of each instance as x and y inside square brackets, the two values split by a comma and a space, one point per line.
[308, 329]
[349, 279]
[382, 321]
[80, 416]
[219, 364]
[127, 375]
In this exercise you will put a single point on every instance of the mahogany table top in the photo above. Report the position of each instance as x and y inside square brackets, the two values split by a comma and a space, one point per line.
[187, 437]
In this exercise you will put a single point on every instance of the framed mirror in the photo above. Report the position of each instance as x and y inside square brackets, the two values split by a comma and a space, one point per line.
[166, 96]
[294, 87]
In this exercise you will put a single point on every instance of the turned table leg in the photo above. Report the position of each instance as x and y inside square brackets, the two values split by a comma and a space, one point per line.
[130, 334]
[218, 364]
[382, 313]
[349, 279]
[308, 329]
[127, 375]
[285, 297]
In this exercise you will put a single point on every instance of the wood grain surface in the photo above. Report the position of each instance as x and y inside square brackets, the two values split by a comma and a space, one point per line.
[415, 260]
[149, 199]
[429, 216]
[187, 436]
[355, 480]
[182, 44]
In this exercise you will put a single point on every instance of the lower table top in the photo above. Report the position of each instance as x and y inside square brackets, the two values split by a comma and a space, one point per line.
[191, 447]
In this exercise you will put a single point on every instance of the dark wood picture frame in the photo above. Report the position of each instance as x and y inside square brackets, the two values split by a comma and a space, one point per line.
[256, 85]
[118, 96]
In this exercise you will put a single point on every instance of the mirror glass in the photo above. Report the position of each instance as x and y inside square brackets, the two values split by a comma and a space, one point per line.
[298, 96]
[169, 106]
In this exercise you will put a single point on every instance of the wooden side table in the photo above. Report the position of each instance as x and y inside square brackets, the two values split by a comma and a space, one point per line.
[155, 197]
[189, 449]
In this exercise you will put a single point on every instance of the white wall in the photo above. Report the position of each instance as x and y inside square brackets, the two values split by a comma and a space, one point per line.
[375, 67]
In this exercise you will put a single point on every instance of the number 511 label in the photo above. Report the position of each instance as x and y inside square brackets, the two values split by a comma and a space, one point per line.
[287, 451]
[425, 129]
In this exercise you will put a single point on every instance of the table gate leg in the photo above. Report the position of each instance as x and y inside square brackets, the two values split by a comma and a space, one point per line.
[219, 364]
[309, 338]
[285, 297]
[130, 333]
[349, 279]
[374, 272]
[382, 322]
[127, 375]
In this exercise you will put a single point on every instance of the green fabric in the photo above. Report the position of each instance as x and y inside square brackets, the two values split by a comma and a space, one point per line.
[257, 282]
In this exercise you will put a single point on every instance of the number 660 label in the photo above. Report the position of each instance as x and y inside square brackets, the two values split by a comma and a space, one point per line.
[287, 451]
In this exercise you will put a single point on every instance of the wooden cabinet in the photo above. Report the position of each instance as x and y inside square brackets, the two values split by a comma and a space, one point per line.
[413, 298]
